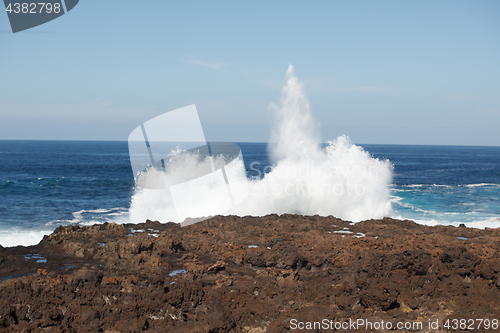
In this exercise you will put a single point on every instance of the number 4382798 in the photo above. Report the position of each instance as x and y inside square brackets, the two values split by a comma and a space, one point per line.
[472, 324]
[33, 8]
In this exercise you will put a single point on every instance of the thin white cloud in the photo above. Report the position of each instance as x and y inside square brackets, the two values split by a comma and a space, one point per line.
[213, 65]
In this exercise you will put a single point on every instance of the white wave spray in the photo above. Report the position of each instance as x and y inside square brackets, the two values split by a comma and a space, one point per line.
[340, 179]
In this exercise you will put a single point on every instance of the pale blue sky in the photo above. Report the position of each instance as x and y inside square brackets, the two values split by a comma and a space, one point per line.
[400, 72]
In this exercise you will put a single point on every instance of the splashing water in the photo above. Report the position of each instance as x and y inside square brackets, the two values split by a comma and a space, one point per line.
[296, 135]
[340, 179]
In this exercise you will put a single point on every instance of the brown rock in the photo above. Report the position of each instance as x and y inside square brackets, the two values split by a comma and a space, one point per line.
[231, 274]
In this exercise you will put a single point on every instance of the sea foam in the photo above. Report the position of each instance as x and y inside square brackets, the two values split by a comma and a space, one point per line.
[340, 179]
[24, 237]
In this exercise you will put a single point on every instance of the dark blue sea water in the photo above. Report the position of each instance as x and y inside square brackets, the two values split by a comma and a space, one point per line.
[47, 183]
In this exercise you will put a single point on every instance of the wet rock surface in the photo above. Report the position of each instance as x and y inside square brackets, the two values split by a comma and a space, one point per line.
[248, 274]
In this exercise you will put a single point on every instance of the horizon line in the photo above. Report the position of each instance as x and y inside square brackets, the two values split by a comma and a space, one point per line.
[268, 142]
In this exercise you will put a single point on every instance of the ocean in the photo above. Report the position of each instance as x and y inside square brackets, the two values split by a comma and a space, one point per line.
[44, 184]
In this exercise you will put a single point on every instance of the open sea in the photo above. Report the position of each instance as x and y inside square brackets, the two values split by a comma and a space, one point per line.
[44, 184]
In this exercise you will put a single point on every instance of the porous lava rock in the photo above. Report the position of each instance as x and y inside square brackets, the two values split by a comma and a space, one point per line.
[248, 274]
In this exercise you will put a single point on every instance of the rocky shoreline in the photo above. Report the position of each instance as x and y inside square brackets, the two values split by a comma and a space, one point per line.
[249, 274]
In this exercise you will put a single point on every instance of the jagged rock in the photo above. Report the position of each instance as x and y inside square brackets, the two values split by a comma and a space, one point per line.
[238, 274]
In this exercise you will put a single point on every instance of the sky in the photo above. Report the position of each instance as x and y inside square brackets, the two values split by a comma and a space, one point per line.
[381, 72]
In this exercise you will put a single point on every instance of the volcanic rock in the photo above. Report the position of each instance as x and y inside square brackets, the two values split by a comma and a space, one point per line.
[248, 274]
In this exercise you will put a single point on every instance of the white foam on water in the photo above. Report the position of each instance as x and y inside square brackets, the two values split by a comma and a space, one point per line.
[27, 237]
[445, 186]
[341, 179]
[24, 237]
[491, 222]
[399, 202]
[87, 217]
[481, 185]
[418, 186]
[152, 204]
